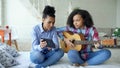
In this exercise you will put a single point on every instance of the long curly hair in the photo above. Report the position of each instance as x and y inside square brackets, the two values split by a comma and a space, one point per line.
[88, 22]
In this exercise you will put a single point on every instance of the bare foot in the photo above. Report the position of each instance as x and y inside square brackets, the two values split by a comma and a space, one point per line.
[84, 64]
[76, 64]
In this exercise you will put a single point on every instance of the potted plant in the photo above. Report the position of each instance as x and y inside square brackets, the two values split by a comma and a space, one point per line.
[116, 32]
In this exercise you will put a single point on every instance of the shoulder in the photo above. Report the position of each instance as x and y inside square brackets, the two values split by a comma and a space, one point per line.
[92, 28]
[38, 26]
[36, 29]
[53, 28]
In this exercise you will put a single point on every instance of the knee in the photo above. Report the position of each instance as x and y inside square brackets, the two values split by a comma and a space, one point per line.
[60, 52]
[106, 53]
[36, 57]
[72, 53]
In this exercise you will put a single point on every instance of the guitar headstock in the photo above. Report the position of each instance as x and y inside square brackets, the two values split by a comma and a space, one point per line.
[109, 42]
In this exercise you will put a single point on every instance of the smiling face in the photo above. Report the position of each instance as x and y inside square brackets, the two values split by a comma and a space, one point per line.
[48, 23]
[78, 21]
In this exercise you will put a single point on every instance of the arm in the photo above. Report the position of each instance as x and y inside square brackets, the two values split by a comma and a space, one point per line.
[60, 32]
[55, 40]
[35, 41]
[95, 37]
[66, 28]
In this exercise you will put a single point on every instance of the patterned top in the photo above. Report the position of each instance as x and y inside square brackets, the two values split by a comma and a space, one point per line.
[89, 34]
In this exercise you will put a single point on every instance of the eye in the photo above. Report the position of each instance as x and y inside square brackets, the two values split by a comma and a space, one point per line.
[49, 22]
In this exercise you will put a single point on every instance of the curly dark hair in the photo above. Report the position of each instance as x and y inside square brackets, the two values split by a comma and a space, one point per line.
[48, 11]
[88, 22]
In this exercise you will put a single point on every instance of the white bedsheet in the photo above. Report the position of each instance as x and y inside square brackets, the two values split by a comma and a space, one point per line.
[113, 62]
[23, 59]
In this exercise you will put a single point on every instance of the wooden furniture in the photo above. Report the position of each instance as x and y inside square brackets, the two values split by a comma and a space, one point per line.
[2, 34]
[118, 39]
[8, 34]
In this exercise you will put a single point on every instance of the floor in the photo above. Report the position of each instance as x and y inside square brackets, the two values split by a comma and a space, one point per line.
[113, 62]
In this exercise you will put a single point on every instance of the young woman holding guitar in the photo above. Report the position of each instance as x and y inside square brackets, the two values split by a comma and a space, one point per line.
[80, 22]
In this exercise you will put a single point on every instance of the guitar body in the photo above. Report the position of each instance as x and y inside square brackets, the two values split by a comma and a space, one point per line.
[71, 36]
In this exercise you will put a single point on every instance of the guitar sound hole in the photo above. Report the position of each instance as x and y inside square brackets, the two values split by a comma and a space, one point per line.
[73, 41]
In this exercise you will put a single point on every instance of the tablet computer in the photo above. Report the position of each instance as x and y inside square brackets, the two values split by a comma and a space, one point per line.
[50, 43]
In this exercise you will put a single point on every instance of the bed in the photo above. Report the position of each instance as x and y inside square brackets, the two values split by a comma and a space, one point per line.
[113, 62]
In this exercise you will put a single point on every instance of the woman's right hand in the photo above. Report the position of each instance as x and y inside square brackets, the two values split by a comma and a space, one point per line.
[68, 42]
[43, 43]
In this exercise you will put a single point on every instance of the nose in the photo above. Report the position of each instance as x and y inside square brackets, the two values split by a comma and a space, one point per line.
[51, 24]
[75, 23]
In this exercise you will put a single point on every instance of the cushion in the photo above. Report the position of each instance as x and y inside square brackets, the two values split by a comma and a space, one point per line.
[1, 66]
[11, 50]
[6, 59]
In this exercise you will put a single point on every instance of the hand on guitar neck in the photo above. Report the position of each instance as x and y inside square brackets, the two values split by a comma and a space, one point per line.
[97, 45]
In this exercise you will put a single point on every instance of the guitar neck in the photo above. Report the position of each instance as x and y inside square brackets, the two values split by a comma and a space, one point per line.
[77, 42]
[102, 42]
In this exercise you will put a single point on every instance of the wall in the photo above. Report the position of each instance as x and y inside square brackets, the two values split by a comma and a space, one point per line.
[118, 13]
[102, 11]
[0, 12]
[15, 14]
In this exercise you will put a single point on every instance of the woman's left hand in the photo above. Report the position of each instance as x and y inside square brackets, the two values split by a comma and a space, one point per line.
[97, 45]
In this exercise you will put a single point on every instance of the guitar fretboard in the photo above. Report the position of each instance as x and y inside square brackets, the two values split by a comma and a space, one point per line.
[77, 42]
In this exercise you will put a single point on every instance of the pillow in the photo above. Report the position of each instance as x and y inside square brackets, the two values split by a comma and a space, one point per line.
[6, 59]
[12, 51]
[1, 66]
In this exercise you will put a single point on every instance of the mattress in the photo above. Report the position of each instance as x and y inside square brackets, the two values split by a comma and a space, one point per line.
[24, 60]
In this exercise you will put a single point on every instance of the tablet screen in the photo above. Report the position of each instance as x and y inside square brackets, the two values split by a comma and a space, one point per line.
[50, 43]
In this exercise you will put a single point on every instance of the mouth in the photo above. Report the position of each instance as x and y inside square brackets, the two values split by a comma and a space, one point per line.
[49, 28]
[76, 26]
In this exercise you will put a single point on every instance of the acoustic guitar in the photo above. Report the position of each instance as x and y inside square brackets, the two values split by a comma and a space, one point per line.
[78, 40]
